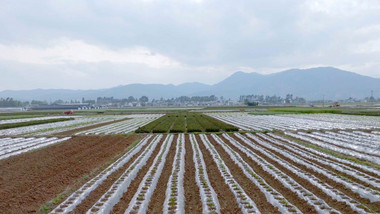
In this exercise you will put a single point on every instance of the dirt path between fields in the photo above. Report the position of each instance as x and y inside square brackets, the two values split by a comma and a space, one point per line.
[29, 180]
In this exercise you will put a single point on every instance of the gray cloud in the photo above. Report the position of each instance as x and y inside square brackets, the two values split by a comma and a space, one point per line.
[204, 40]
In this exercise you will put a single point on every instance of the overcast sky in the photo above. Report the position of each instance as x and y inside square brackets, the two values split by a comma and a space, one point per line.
[98, 44]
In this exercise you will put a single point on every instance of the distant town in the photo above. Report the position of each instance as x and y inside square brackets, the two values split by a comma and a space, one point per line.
[182, 101]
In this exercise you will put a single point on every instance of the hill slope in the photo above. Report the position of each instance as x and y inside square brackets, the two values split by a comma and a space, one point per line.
[311, 84]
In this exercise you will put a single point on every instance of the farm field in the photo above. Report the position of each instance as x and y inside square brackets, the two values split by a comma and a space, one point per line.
[238, 173]
[314, 163]
[247, 122]
[185, 122]
[134, 122]
[29, 180]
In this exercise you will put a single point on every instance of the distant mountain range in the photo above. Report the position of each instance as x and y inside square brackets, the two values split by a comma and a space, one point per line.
[312, 84]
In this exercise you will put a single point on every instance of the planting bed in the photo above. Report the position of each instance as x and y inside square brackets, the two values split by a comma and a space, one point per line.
[123, 127]
[228, 173]
[55, 127]
[317, 164]
[247, 122]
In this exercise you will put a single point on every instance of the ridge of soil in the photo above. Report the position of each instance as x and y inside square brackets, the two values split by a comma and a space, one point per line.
[191, 190]
[157, 200]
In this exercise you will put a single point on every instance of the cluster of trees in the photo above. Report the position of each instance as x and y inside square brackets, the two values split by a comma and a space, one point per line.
[130, 99]
[253, 100]
[10, 102]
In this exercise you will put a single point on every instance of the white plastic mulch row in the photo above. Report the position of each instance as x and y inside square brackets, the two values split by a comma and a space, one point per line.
[288, 182]
[21, 145]
[363, 191]
[355, 137]
[351, 145]
[31, 119]
[123, 127]
[246, 204]
[4, 142]
[209, 199]
[364, 169]
[273, 196]
[51, 128]
[141, 199]
[326, 188]
[175, 194]
[113, 195]
[334, 147]
[79, 195]
[335, 165]
[245, 121]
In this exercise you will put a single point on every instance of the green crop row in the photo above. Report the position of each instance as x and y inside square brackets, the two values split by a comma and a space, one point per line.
[179, 125]
[186, 122]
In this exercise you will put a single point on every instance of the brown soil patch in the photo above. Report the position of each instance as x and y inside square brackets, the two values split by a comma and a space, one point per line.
[226, 198]
[192, 196]
[158, 198]
[73, 131]
[28, 180]
[127, 197]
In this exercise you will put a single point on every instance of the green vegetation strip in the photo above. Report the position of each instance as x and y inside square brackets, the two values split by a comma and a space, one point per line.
[186, 122]
[316, 110]
[330, 152]
[31, 123]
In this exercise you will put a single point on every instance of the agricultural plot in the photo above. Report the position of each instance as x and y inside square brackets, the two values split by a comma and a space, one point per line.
[15, 146]
[51, 128]
[234, 173]
[32, 119]
[247, 122]
[124, 127]
[186, 122]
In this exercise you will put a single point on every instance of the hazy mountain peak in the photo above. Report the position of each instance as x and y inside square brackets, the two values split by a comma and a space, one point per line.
[312, 83]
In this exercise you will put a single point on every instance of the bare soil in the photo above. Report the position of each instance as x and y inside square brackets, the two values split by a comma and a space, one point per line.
[30, 179]
[192, 196]
[157, 201]
[225, 196]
